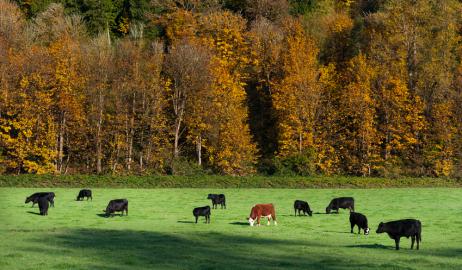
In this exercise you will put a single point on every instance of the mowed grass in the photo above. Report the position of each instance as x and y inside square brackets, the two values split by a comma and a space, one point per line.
[159, 232]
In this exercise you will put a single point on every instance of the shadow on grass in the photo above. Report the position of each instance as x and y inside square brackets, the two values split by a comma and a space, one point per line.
[122, 249]
[185, 221]
[114, 215]
[127, 249]
[293, 215]
[372, 246]
[240, 223]
[34, 213]
[340, 232]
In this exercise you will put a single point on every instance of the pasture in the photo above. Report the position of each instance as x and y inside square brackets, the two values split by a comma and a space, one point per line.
[159, 232]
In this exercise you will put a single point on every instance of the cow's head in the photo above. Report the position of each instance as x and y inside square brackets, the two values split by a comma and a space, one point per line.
[310, 213]
[381, 228]
[108, 211]
[251, 221]
[328, 210]
[366, 231]
[210, 196]
[28, 199]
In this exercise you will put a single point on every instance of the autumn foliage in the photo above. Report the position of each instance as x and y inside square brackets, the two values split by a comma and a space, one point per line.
[239, 87]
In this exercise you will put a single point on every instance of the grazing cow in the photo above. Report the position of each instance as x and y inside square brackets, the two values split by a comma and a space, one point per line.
[118, 205]
[399, 228]
[217, 199]
[360, 220]
[342, 202]
[43, 206]
[202, 212]
[34, 198]
[84, 193]
[302, 206]
[262, 210]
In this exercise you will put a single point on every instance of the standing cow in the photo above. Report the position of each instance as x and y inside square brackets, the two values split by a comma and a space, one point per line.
[399, 228]
[43, 206]
[202, 212]
[262, 210]
[302, 206]
[118, 205]
[84, 193]
[360, 220]
[342, 202]
[217, 199]
[34, 198]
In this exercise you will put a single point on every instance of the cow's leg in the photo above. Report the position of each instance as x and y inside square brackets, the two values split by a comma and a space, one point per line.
[269, 218]
[412, 241]
[196, 218]
[397, 243]
[352, 226]
[258, 220]
[359, 230]
[209, 219]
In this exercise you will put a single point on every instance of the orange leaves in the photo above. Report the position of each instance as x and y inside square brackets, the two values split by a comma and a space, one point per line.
[179, 24]
[296, 96]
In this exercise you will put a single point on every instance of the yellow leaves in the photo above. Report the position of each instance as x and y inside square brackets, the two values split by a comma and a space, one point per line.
[124, 26]
[295, 97]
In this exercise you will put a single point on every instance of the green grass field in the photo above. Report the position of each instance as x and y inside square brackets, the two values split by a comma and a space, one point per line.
[159, 232]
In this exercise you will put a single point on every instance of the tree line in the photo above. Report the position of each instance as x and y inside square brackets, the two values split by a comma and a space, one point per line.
[350, 87]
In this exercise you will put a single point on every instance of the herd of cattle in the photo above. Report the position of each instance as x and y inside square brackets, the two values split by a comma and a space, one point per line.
[395, 229]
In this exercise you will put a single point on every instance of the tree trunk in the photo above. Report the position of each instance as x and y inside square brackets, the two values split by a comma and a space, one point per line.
[300, 138]
[131, 134]
[98, 133]
[61, 142]
[199, 150]
[176, 151]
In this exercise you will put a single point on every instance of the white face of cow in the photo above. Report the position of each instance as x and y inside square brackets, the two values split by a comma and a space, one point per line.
[366, 232]
[251, 221]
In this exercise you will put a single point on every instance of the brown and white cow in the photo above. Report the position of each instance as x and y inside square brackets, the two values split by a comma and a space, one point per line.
[262, 210]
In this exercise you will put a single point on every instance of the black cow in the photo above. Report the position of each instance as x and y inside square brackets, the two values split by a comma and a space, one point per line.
[118, 205]
[84, 193]
[202, 211]
[342, 202]
[360, 220]
[399, 228]
[34, 198]
[217, 199]
[302, 206]
[43, 205]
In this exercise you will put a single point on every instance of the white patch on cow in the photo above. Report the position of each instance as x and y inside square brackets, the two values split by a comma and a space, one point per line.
[275, 223]
[269, 218]
[251, 221]
[366, 231]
